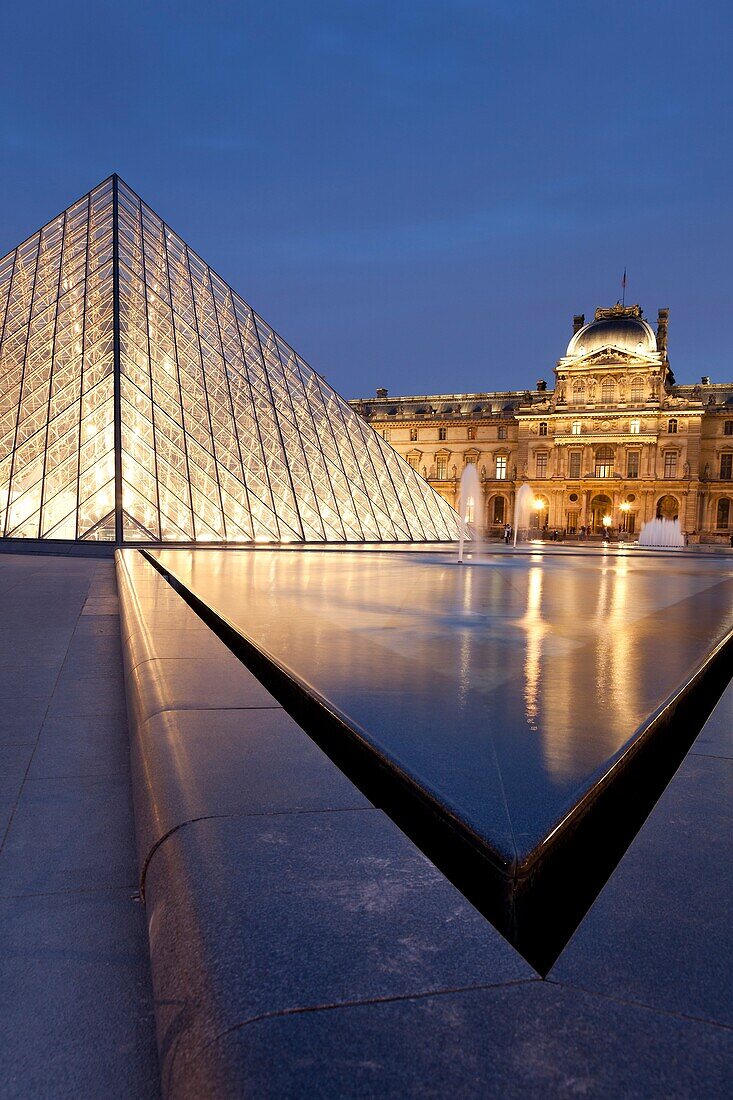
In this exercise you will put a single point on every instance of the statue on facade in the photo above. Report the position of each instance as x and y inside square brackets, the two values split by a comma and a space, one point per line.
[686, 469]
[706, 472]
[454, 472]
[483, 473]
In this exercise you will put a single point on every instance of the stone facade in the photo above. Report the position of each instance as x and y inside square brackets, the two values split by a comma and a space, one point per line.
[616, 438]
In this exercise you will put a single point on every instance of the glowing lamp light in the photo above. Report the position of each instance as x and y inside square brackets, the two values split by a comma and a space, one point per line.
[539, 503]
[607, 521]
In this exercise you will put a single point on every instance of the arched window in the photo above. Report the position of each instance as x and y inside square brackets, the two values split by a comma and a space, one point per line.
[578, 393]
[608, 391]
[637, 390]
[604, 461]
[668, 508]
[499, 506]
[723, 516]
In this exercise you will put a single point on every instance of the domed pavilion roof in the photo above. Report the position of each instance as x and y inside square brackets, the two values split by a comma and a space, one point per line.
[618, 327]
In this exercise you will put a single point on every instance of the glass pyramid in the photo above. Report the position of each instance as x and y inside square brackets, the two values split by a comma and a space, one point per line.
[141, 399]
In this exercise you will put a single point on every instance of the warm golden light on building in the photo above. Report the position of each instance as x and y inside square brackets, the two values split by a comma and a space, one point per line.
[616, 437]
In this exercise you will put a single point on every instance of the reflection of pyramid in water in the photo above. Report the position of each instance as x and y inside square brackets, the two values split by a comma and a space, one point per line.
[141, 398]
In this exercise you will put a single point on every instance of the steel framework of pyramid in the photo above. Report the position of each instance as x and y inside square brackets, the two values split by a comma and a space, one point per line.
[141, 399]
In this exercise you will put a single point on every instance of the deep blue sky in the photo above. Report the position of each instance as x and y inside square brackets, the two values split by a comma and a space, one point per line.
[416, 195]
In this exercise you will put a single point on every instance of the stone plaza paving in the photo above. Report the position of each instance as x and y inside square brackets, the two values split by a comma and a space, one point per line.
[75, 995]
[300, 944]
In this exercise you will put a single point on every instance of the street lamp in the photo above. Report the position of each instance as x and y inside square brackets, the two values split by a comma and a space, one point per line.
[625, 508]
[539, 505]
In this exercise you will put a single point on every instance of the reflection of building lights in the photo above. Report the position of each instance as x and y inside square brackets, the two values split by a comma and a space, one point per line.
[607, 521]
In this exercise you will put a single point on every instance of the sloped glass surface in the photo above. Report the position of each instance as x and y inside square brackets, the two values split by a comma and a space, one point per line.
[135, 383]
[56, 368]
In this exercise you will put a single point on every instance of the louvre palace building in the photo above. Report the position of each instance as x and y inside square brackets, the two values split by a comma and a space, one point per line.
[614, 444]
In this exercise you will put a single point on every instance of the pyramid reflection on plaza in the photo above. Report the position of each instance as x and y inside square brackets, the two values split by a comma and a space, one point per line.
[141, 399]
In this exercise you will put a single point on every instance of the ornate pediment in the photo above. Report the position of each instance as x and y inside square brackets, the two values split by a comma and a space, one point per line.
[619, 310]
[612, 357]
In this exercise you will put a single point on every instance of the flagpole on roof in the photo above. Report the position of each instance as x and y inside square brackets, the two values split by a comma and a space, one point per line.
[623, 289]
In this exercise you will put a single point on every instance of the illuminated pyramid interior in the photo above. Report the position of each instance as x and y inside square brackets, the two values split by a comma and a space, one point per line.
[141, 399]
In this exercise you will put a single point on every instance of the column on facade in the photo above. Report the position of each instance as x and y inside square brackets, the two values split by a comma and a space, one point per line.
[557, 508]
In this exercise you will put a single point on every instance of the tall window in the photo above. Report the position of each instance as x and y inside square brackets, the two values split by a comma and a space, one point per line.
[723, 515]
[469, 460]
[387, 434]
[413, 435]
[442, 433]
[441, 468]
[574, 465]
[501, 467]
[501, 433]
[672, 426]
[635, 427]
[728, 427]
[578, 393]
[499, 503]
[604, 462]
[726, 467]
[413, 459]
[471, 433]
[543, 427]
[670, 463]
[637, 390]
[608, 391]
[576, 427]
[541, 464]
[632, 464]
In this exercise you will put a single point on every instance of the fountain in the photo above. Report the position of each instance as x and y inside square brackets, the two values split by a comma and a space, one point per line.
[661, 532]
[522, 508]
[470, 498]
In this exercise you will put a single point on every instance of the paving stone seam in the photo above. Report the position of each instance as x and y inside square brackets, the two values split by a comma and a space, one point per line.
[632, 1002]
[42, 723]
[123, 770]
[335, 1006]
[131, 892]
[242, 816]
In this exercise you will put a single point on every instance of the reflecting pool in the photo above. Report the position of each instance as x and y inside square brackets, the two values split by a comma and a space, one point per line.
[505, 688]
